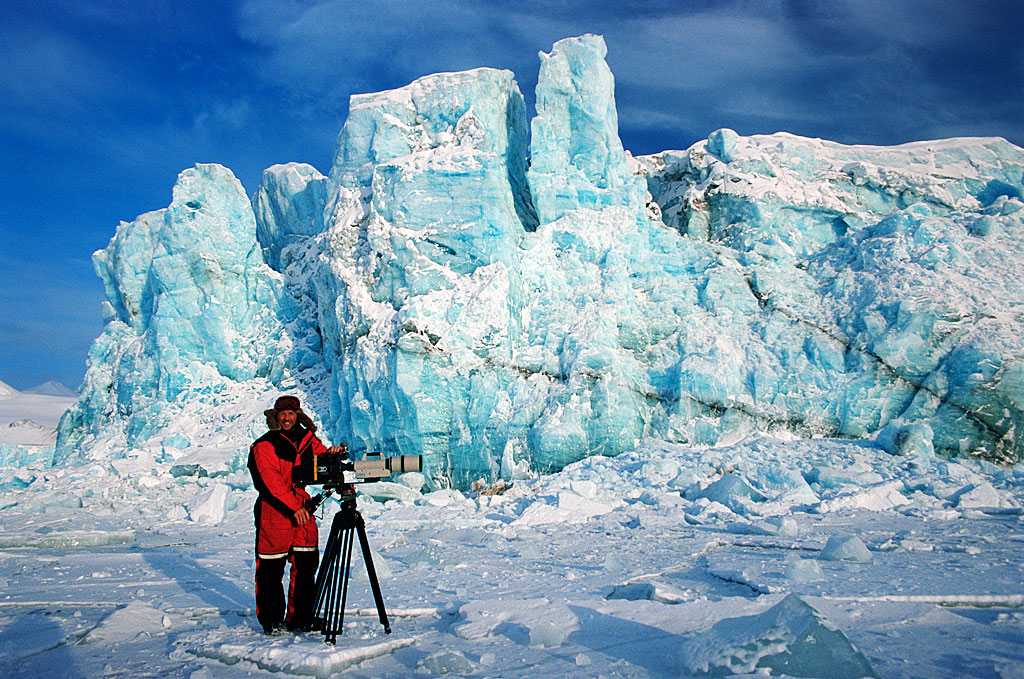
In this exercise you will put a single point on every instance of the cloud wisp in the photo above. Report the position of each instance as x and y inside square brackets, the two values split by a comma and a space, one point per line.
[821, 69]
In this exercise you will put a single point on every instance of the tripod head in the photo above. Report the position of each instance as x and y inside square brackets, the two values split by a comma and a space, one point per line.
[346, 497]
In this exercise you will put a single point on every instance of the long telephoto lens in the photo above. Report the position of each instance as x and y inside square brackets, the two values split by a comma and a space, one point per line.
[404, 463]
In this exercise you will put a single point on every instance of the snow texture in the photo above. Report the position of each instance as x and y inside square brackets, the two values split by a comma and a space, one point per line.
[129, 567]
[790, 639]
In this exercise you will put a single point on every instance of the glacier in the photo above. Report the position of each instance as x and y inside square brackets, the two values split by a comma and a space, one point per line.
[507, 296]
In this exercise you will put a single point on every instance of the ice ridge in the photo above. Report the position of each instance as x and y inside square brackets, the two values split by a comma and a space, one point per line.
[438, 293]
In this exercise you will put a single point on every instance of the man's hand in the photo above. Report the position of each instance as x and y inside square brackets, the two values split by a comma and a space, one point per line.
[334, 450]
[301, 516]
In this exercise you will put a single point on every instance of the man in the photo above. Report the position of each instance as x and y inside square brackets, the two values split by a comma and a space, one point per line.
[285, 528]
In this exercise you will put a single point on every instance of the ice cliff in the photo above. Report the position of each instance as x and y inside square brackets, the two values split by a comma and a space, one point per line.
[506, 303]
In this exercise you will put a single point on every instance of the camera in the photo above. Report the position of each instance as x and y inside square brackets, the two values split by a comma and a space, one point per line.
[375, 467]
[329, 470]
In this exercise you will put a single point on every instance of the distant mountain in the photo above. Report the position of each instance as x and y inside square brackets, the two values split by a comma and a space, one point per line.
[30, 417]
[27, 433]
[51, 388]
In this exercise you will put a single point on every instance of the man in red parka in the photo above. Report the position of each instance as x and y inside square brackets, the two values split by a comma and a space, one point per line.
[285, 529]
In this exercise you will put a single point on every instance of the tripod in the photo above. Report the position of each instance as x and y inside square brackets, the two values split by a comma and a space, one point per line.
[333, 575]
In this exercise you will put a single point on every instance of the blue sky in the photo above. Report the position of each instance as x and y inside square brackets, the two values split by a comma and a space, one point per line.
[102, 103]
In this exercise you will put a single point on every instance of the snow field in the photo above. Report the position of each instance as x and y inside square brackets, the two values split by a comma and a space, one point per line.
[645, 565]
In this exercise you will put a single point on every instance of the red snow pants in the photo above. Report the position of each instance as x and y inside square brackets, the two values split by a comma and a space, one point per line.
[279, 541]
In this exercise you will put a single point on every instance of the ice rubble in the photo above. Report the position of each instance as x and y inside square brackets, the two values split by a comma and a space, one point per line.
[296, 658]
[789, 639]
[663, 566]
[434, 293]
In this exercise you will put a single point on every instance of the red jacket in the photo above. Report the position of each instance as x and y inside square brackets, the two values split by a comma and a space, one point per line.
[271, 460]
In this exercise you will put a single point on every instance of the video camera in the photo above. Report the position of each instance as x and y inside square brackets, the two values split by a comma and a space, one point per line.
[329, 470]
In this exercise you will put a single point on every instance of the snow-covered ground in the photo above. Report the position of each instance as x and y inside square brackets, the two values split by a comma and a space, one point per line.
[29, 418]
[791, 558]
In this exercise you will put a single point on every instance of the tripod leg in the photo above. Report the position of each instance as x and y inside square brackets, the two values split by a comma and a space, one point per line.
[346, 570]
[322, 576]
[331, 625]
[332, 578]
[372, 574]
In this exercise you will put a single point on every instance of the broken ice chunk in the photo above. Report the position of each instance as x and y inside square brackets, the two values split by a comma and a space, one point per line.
[446, 662]
[791, 638]
[977, 495]
[548, 634]
[804, 570]
[733, 491]
[845, 548]
[209, 505]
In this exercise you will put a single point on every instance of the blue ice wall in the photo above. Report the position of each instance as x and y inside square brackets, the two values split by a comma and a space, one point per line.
[445, 290]
[191, 308]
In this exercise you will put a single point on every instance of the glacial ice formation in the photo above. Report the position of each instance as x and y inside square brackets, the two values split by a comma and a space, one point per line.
[191, 309]
[577, 160]
[506, 309]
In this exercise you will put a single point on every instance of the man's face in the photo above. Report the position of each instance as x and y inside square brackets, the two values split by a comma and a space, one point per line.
[286, 418]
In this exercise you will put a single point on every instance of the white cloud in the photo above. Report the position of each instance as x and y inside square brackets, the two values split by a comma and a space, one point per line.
[333, 48]
[334, 45]
[641, 118]
[917, 23]
[233, 115]
[715, 49]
